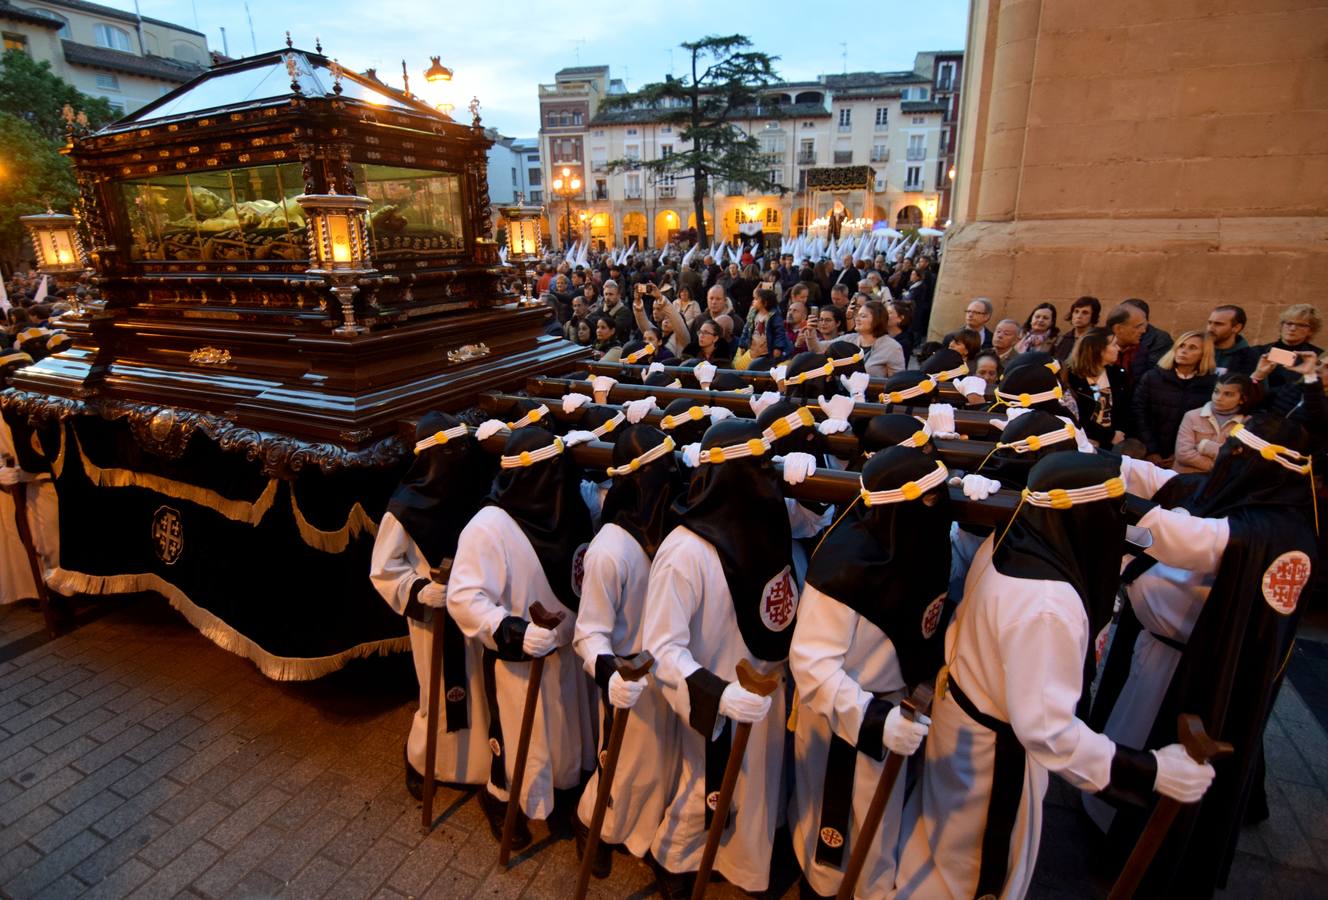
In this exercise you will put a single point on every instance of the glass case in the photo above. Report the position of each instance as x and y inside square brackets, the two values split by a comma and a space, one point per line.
[250, 213]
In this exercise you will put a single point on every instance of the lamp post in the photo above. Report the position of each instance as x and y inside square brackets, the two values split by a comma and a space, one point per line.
[567, 186]
[339, 248]
[57, 248]
[523, 236]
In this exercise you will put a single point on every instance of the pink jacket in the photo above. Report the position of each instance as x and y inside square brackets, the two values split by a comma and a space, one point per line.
[1199, 439]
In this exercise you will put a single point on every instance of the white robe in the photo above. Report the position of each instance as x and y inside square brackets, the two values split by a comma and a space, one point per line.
[496, 574]
[839, 660]
[690, 624]
[16, 582]
[611, 620]
[1016, 648]
[463, 756]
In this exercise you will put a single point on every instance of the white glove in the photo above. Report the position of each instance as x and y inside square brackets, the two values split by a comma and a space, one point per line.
[539, 641]
[639, 409]
[573, 402]
[941, 420]
[691, 455]
[10, 476]
[856, 385]
[797, 466]
[602, 383]
[488, 428]
[741, 705]
[623, 694]
[705, 373]
[433, 594]
[1014, 412]
[1178, 776]
[978, 487]
[654, 367]
[719, 414]
[837, 407]
[971, 384]
[763, 401]
[578, 437]
[779, 373]
[901, 735]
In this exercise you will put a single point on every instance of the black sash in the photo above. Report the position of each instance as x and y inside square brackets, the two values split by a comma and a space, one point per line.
[841, 764]
[454, 672]
[716, 761]
[1007, 787]
[498, 768]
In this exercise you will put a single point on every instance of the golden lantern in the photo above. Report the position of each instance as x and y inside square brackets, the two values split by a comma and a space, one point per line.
[55, 242]
[523, 235]
[339, 247]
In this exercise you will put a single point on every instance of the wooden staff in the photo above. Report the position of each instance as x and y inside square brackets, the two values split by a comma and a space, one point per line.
[916, 704]
[1202, 749]
[765, 685]
[544, 619]
[632, 668]
[20, 494]
[439, 575]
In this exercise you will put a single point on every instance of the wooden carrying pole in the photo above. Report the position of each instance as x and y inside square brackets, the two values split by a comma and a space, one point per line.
[438, 575]
[765, 685]
[1202, 749]
[916, 704]
[544, 619]
[632, 668]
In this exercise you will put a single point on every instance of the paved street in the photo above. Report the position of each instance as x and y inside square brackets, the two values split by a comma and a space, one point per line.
[137, 759]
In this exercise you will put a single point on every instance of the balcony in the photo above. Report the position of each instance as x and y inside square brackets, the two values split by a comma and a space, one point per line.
[733, 189]
[913, 185]
[843, 157]
[882, 126]
[667, 191]
[601, 194]
[599, 165]
[807, 159]
[917, 153]
[775, 158]
[882, 155]
[632, 194]
[845, 127]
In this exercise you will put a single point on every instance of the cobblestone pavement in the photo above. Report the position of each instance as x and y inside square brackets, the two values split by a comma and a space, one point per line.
[137, 759]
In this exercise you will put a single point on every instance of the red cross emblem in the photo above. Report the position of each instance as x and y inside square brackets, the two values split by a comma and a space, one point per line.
[1284, 581]
[931, 616]
[579, 568]
[779, 601]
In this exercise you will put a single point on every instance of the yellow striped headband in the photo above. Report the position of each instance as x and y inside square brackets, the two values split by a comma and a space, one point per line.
[824, 371]
[909, 490]
[1064, 498]
[693, 414]
[1283, 456]
[847, 360]
[654, 453]
[530, 457]
[438, 438]
[529, 418]
[609, 425]
[754, 447]
[637, 355]
[956, 372]
[1035, 442]
[789, 424]
[925, 386]
[918, 438]
[1026, 400]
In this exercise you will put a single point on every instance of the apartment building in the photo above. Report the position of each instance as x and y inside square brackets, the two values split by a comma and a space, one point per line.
[104, 52]
[891, 122]
[514, 168]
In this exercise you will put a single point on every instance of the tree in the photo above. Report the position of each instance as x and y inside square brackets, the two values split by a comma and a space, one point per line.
[724, 86]
[33, 174]
[35, 94]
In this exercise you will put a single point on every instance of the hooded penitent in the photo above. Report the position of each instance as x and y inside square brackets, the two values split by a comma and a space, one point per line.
[808, 376]
[662, 379]
[847, 358]
[790, 428]
[728, 382]
[1034, 358]
[895, 430]
[888, 558]
[945, 365]
[1032, 387]
[539, 486]
[638, 352]
[734, 502]
[685, 421]
[1027, 439]
[646, 484]
[909, 388]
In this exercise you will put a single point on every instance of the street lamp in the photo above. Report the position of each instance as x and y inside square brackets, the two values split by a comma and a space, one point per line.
[567, 186]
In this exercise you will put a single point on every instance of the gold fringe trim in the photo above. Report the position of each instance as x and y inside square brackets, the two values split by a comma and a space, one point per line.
[278, 668]
[235, 510]
[357, 523]
[59, 464]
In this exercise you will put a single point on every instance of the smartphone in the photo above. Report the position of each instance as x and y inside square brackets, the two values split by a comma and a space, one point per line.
[1282, 357]
[641, 288]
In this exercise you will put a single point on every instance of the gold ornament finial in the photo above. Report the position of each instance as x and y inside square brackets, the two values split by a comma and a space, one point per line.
[289, 45]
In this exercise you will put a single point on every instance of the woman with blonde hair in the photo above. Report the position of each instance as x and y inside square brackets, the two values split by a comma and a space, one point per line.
[1182, 381]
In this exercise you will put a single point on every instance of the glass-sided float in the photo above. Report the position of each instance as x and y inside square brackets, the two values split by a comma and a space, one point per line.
[290, 261]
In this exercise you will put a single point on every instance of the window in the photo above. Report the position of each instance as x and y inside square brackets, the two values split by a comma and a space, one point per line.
[108, 82]
[113, 38]
[945, 76]
[666, 129]
[186, 52]
[46, 13]
[880, 153]
[845, 119]
[16, 42]
[666, 180]
[919, 120]
[772, 176]
[536, 196]
[945, 139]
[632, 152]
[514, 175]
[633, 186]
[536, 177]
[631, 132]
[665, 151]
[917, 147]
[117, 105]
[913, 179]
[576, 118]
[601, 189]
[882, 117]
[599, 132]
[771, 215]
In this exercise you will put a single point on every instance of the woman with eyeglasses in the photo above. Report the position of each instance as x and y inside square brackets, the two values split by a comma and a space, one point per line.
[1298, 325]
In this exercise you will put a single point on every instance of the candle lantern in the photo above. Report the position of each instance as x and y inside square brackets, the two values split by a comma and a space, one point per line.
[57, 247]
[339, 248]
[523, 235]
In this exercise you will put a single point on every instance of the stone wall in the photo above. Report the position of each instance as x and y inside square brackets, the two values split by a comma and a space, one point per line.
[1174, 150]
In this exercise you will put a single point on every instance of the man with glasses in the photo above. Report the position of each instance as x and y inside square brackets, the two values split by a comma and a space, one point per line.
[976, 316]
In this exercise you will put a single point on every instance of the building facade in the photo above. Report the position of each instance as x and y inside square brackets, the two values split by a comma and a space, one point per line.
[891, 123]
[104, 52]
[513, 164]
